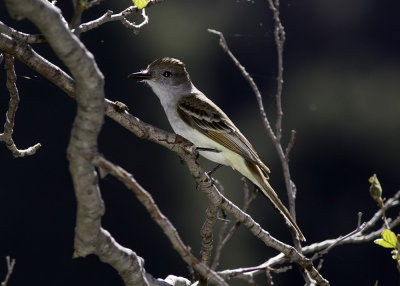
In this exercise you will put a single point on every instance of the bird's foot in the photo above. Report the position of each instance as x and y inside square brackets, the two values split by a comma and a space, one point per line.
[209, 173]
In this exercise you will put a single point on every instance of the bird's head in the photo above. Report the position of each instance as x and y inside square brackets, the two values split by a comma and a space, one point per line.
[164, 75]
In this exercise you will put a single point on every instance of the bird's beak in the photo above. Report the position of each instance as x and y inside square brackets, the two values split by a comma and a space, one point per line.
[142, 75]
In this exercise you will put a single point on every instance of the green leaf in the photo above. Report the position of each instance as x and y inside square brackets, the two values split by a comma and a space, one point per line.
[140, 4]
[389, 236]
[388, 240]
[383, 243]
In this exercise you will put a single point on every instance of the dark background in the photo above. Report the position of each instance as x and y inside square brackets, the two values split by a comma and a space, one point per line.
[341, 95]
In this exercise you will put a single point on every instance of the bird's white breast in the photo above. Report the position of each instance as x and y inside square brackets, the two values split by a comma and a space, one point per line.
[169, 101]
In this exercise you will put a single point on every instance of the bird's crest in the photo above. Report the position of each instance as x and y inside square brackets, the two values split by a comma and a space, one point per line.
[177, 64]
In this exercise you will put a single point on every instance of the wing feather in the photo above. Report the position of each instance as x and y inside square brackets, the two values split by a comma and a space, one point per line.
[203, 115]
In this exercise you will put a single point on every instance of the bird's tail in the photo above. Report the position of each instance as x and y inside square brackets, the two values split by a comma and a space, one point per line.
[269, 192]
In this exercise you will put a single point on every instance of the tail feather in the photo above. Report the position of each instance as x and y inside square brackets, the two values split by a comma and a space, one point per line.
[269, 192]
[273, 197]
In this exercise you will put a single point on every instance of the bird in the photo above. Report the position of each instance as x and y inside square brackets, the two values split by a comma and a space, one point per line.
[195, 117]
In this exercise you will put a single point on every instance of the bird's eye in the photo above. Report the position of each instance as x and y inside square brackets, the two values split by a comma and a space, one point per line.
[166, 74]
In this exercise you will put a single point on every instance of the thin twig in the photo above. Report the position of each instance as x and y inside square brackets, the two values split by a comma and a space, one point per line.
[290, 145]
[359, 220]
[228, 274]
[6, 137]
[389, 203]
[280, 37]
[320, 263]
[148, 202]
[246, 75]
[218, 249]
[109, 16]
[285, 166]
[10, 269]
[224, 238]
[93, 3]
[279, 33]
[357, 238]
[136, 27]
[360, 228]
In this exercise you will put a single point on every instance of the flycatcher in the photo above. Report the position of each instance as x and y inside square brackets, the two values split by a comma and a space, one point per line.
[196, 118]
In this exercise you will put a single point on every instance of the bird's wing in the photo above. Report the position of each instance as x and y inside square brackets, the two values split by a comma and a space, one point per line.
[203, 115]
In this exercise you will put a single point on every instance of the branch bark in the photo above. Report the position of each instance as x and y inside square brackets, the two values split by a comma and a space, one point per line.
[88, 90]
[146, 199]
[225, 237]
[10, 269]
[109, 16]
[20, 36]
[6, 136]
[355, 237]
[90, 99]
[207, 233]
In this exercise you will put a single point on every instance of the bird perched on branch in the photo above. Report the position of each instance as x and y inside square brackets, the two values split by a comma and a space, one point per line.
[196, 118]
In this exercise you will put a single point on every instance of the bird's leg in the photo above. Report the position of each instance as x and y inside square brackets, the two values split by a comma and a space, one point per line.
[209, 173]
[215, 168]
[206, 149]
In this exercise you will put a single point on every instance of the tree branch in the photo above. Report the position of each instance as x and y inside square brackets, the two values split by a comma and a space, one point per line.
[290, 145]
[207, 233]
[229, 274]
[89, 96]
[10, 269]
[148, 202]
[89, 236]
[6, 137]
[275, 139]
[359, 229]
[357, 237]
[92, 3]
[25, 54]
[246, 75]
[279, 34]
[20, 36]
[280, 37]
[225, 237]
[109, 16]
[187, 152]
[391, 202]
